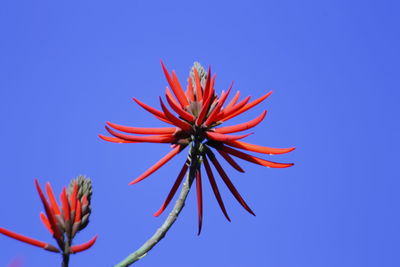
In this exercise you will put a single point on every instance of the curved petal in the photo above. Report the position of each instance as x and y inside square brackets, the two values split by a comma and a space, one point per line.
[259, 149]
[181, 112]
[227, 181]
[230, 160]
[243, 126]
[28, 240]
[149, 139]
[248, 106]
[253, 159]
[174, 188]
[158, 164]
[215, 188]
[141, 130]
[158, 114]
[199, 192]
[176, 121]
[84, 246]
[223, 137]
[114, 140]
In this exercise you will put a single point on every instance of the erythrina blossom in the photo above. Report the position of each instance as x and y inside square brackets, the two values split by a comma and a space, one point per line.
[65, 220]
[196, 117]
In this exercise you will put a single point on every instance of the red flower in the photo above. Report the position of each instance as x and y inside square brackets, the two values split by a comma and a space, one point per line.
[65, 220]
[199, 112]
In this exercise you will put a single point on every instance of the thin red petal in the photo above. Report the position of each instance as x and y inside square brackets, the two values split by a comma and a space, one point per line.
[148, 139]
[158, 165]
[173, 190]
[227, 112]
[253, 159]
[241, 127]
[176, 121]
[190, 91]
[199, 91]
[28, 240]
[204, 110]
[248, 106]
[180, 94]
[46, 222]
[233, 101]
[84, 246]
[140, 130]
[114, 140]
[228, 182]
[181, 112]
[65, 205]
[158, 114]
[216, 110]
[223, 137]
[199, 192]
[207, 88]
[78, 211]
[49, 212]
[230, 160]
[259, 149]
[215, 188]
[54, 206]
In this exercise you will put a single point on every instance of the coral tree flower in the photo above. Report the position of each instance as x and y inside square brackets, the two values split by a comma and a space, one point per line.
[65, 220]
[196, 115]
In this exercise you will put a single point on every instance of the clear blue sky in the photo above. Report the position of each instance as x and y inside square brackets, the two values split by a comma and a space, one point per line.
[66, 68]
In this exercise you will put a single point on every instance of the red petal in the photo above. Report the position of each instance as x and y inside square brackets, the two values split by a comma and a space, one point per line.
[207, 88]
[158, 114]
[54, 206]
[260, 149]
[65, 206]
[28, 240]
[140, 130]
[190, 92]
[181, 112]
[230, 160]
[173, 190]
[204, 110]
[226, 112]
[253, 159]
[49, 212]
[199, 92]
[149, 139]
[223, 137]
[242, 126]
[180, 94]
[78, 211]
[233, 101]
[248, 106]
[84, 246]
[215, 188]
[199, 192]
[217, 108]
[46, 222]
[177, 91]
[227, 181]
[176, 121]
[113, 139]
[158, 165]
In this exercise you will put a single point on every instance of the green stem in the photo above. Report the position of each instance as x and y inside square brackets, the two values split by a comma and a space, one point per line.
[195, 155]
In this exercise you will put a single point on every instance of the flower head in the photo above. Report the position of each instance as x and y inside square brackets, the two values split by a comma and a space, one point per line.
[65, 220]
[196, 115]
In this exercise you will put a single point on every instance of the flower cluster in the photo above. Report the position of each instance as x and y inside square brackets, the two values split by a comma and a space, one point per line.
[65, 220]
[196, 116]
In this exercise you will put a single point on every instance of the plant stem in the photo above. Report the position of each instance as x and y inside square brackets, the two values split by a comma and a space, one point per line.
[65, 261]
[194, 155]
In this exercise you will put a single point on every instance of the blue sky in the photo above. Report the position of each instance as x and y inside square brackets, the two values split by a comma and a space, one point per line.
[66, 68]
